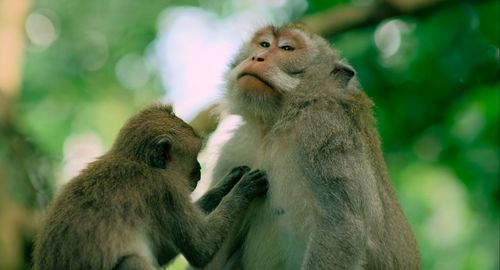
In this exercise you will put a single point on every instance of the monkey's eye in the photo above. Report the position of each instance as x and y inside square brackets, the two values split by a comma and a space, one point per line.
[287, 48]
[265, 44]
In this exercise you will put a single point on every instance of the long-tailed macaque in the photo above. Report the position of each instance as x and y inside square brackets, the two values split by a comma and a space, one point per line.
[131, 208]
[308, 125]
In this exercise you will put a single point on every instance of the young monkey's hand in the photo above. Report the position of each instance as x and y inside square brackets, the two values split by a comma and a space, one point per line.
[253, 184]
[231, 179]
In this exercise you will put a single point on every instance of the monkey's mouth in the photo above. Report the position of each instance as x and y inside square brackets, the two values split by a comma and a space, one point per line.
[251, 81]
[195, 175]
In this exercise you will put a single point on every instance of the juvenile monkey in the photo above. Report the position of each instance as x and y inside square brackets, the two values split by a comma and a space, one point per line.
[308, 125]
[131, 208]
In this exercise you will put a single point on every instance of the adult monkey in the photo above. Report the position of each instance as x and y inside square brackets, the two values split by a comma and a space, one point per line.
[308, 125]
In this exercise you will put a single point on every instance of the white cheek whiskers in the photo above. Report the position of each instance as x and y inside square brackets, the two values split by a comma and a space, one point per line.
[232, 75]
[279, 79]
[282, 81]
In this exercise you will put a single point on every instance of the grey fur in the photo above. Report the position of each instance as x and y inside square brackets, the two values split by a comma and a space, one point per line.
[330, 203]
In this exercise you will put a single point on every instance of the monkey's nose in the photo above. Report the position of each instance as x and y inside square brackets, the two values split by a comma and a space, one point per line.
[258, 58]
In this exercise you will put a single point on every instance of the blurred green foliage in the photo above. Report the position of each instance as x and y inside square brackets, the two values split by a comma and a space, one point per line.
[437, 101]
[61, 84]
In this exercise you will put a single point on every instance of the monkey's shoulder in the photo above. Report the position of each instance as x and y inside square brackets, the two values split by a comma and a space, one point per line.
[330, 101]
[330, 126]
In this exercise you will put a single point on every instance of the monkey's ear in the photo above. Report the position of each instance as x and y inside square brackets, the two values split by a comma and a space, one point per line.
[342, 73]
[160, 155]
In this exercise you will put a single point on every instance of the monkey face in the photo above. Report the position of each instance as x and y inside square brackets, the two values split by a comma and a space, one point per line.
[279, 63]
[158, 138]
[269, 68]
[183, 160]
[195, 175]
[182, 157]
[272, 62]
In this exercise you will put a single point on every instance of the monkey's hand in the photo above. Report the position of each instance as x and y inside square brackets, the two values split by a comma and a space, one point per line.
[231, 179]
[252, 184]
[213, 197]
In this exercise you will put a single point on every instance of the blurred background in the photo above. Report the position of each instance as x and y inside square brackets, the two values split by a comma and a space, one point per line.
[71, 73]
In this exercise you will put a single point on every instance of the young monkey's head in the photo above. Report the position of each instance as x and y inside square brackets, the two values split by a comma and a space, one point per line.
[156, 137]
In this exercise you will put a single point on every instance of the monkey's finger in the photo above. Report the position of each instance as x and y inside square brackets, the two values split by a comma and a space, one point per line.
[255, 174]
[262, 185]
[239, 171]
[235, 175]
[261, 180]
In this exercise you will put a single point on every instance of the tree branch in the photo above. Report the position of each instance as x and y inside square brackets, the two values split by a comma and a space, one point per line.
[346, 17]
[12, 17]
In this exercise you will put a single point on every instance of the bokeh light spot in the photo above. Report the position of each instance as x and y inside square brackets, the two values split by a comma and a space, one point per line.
[388, 36]
[79, 150]
[132, 71]
[40, 29]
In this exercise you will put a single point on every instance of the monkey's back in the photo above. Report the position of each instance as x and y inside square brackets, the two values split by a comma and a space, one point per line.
[90, 220]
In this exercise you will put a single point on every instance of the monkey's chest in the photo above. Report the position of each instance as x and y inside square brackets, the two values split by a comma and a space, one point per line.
[281, 223]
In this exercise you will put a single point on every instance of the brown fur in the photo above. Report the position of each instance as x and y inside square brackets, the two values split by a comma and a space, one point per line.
[131, 208]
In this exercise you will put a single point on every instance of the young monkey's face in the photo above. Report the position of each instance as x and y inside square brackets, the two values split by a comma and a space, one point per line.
[195, 175]
[157, 137]
[185, 147]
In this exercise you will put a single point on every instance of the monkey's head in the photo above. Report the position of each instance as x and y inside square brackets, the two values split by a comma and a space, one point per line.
[161, 140]
[278, 63]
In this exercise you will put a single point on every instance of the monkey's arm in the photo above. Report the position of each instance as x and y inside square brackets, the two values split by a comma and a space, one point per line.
[209, 201]
[334, 168]
[198, 237]
[232, 154]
